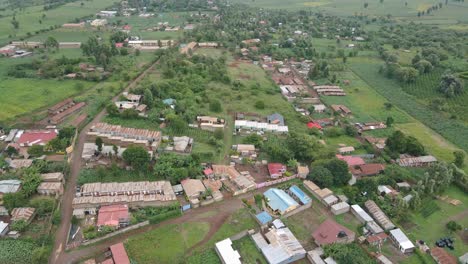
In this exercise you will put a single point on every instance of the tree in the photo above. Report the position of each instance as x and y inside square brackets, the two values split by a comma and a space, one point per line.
[339, 170]
[292, 163]
[99, 143]
[15, 23]
[13, 200]
[19, 225]
[366, 5]
[10, 151]
[112, 110]
[253, 139]
[51, 42]
[277, 149]
[31, 180]
[260, 104]
[129, 113]
[215, 106]
[459, 158]
[137, 157]
[322, 176]
[351, 130]
[40, 255]
[450, 85]
[453, 226]
[43, 205]
[390, 121]
[148, 97]
[36, 150]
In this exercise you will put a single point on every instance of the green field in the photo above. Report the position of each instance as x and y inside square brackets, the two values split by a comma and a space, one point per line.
[37, 94]
[454, 12]
[433, 227]
[367, 69]
[248, 251]
[71, 35]
[166, 244]
[365, 103]
[29, 18]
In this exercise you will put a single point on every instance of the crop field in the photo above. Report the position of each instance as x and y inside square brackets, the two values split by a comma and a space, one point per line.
[167, 244]
[37, 94]
[455, 11]
[367, 105]
[140, 25]
[453, 130]
[432, 227]
[29, 18]
[71, 35]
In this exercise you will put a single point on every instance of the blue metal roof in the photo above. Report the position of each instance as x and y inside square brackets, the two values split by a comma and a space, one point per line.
[300, 194]
[264, 217]
[169, 101]
[279, 200]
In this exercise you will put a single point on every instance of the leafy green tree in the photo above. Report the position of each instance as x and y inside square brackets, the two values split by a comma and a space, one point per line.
[13, 200]
[40, 255]
[390, 121]
[51, 42]
[10, 151]
[36, 150]
[19, 225]
[99, 143]
[43, 205]
[30, 181]
[112, 110]
[148, 97]
[322, 176]
[260, 104]
[348, 254]
[450, 85]
[459, 158]
[453, 226]
[137, 157]
[215, 106]
[129, 114]
[339, 170]
[277, 149]
[253, 139]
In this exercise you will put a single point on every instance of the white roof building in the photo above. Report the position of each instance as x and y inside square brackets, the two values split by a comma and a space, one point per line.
[401, 240]
[361, 215]
[226, 253]
[282, 246]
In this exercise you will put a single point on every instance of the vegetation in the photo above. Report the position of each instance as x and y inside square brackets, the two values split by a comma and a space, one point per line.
[348, 253]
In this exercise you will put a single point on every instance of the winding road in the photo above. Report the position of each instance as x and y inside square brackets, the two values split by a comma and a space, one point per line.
[58, 255]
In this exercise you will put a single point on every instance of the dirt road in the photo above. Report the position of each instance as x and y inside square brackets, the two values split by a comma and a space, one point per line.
[66, 205]
[223, 211]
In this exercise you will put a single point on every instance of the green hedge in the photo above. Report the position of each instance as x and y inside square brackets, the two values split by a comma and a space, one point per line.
[164, 216]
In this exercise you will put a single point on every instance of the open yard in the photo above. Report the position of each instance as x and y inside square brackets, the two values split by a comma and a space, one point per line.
[432, 228]
[175, 243]
[248, 251]
[29, 17]
[167, 244]
[455, 11]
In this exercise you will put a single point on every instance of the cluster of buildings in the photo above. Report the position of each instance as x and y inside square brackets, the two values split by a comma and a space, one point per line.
[124, 136]
[359, 168]
[91, 196]
[274, 124]
[329, 90]
[58, 112]
[25, 214]
[210, 123]
[133, 101]
[191, 46]
[370, 126]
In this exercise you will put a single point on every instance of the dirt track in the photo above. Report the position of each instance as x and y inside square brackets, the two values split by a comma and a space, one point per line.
[224, 210]
[58, 252]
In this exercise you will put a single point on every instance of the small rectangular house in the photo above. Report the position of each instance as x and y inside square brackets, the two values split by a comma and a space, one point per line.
[401, 241]
[340, 208]
[276, 170]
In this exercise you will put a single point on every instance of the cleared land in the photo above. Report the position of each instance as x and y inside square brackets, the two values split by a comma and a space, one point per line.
[29, 17]
[455, 11]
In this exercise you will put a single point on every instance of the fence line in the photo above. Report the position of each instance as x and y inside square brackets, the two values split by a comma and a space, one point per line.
[120, 231]
[269, 183]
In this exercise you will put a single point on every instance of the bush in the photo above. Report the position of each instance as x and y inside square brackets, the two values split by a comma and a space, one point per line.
[453, 226]
[215, 106]
[260, 104]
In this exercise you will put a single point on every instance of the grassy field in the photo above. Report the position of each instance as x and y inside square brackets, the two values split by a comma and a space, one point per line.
[367, 69]
[37, 93]
[29, 18]
[166, 244]
[454, 12]
[433, 227]
[71, 35]
[248, 251]
[365, 103]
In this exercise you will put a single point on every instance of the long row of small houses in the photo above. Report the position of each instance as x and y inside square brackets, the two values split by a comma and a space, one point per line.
[260, 126]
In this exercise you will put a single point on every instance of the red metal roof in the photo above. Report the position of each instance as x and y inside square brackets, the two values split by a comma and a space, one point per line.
[351, 161]
[276, 168]
[119, 254]
[375, 238]
[37, 137]
[442, 256]
[208, 171]
[327, 232]
[314, 125]
[110, 215]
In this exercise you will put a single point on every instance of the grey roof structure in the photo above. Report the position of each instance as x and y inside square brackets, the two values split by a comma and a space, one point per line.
[9, 186]
[276, 119]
